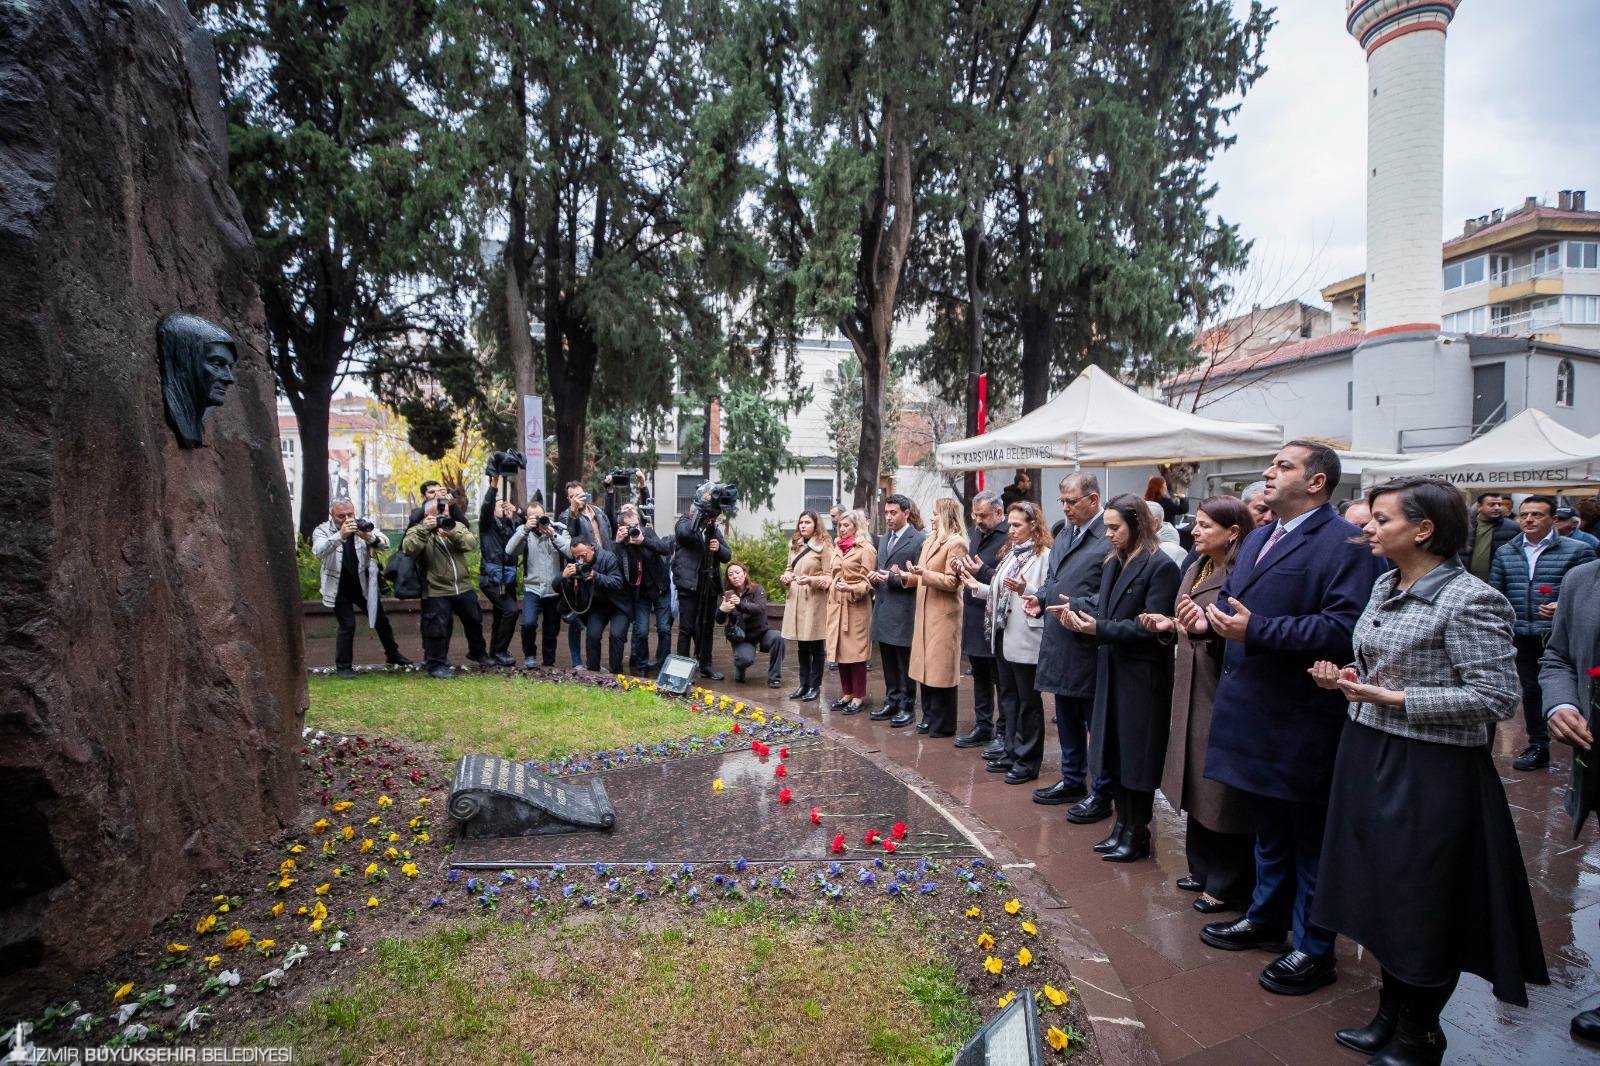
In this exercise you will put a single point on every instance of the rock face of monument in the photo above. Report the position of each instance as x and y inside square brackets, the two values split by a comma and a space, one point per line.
[151, 674]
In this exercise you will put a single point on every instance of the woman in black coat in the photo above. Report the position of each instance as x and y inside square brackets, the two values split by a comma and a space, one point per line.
[1133, 684]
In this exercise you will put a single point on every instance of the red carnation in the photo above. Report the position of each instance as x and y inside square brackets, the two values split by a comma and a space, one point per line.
[783, 753]
[785, 796]
[736, 728]
[838, 844]
[1546, 590]
[780, 771]
[898, 830]
[889, 845]
[816, 816]
[1594, 672]
[873, 836]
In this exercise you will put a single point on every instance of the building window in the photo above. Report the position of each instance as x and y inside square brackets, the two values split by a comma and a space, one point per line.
[687, 483]
[1349, 396]
[1581, 310]
[1546, 260]
[1564, 383]
[1472, 320]
[819, 494]
[1500, 269]
[1467, 272]
[1583, 255]
[286, 446]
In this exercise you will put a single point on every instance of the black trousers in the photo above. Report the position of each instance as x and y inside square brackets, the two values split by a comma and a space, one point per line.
[504, 611]
[1529, 649]
[438, 623]
[811, 653]
[600, 618]
[939, 710]
[744, 654]
[534, 609]
[898, 688]
[694, 627]
[983, 692]
[1223, 863]
[1135, 807]
[1021, 710]
[346, 607]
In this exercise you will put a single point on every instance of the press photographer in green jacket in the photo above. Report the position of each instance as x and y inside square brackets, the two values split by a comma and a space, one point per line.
[440, 545]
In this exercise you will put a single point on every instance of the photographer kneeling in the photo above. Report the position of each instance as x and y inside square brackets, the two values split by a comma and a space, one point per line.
[591, 590]
[744, 609]
[497, 571]
[347, 548]
[541, 545]
[441, 544]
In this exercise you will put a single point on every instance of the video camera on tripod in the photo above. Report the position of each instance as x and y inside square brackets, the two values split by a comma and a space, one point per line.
[622, 485]
[715, 500]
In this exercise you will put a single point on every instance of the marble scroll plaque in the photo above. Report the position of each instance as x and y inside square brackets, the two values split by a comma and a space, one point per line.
[494, 797]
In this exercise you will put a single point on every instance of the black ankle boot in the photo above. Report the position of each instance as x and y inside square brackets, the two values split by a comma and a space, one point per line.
[1135, 845]
[1111, 842]
[1418, 1041]
[1380, 1030]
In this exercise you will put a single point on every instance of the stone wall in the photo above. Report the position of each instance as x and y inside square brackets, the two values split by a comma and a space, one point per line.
[151, 678]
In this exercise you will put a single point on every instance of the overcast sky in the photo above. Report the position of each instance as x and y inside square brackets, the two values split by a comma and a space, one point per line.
[1522, 118]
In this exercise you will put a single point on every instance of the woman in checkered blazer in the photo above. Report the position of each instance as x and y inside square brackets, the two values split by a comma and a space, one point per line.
[1420, 861]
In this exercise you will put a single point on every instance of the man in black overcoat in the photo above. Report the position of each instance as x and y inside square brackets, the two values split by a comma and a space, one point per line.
[987, 540]
[894, 612]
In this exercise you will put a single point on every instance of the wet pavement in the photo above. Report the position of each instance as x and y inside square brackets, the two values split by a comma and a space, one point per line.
[1160, 994]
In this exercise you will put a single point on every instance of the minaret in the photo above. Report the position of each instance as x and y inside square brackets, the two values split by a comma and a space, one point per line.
[1403, 377]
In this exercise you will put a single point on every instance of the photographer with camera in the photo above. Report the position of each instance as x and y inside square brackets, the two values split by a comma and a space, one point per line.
[696, 562]
[497, 570]
[643, 558]
[585, 523]
[541, 545]
[348, 548]
[743, 609]
[441, 543]
[592, 594]
[432, 491]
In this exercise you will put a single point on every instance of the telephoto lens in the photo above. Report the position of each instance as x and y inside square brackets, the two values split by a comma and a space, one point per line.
[364, 526]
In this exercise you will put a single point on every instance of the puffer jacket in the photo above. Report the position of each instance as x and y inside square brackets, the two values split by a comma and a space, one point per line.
[1509, 574]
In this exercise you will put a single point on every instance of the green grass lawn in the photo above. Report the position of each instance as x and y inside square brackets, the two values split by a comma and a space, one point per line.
[743, 986]
[514, 717]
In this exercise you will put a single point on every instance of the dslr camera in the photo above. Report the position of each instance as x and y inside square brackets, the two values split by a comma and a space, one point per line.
[440, 509]
[619, 478]
[363, 526]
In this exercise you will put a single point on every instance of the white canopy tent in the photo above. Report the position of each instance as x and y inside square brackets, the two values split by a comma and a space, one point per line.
[1529, 453]
[1098, 421]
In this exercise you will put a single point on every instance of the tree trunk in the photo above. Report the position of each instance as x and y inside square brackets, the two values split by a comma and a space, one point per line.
[515, 258]
[571, 381]
[869, 452]
[1038, 341]
[311, 411]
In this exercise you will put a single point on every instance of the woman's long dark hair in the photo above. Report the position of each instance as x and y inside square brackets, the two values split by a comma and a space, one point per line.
[1229, 512]
[1141, 525]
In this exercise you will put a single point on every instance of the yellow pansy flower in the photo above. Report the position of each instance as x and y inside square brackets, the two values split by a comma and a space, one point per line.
[422, 838]
[302, 910]
[1030, 928]
[974, 913]
[1024, 957]
[319, 912]
[296, 849]
[342, 806]
[423, 801]
[122, 993]
[285, 866]
[212, 960]
[374, 820]
[206, 924]
[1013, 906]
[222, 908]
[1005, 1001]
[372, 901]
[371, 869]
[367, 845]
[324, 888]
[717, 785]
[265, 946]
[237, 938]
[348, 832]
[410, 869]
[277, 910]
[993, 965]
[385, 801]
[316, 925]
[1056, 997]
[284, 883]
[177, 949]
[392, 837]
[1056, 1038]
[319, 826]
[985, 941]
[391, 854]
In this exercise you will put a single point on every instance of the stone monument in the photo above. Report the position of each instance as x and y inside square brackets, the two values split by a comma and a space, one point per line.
[151, 674]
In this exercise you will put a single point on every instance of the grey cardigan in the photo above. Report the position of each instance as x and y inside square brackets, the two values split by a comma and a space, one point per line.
[1445, 641]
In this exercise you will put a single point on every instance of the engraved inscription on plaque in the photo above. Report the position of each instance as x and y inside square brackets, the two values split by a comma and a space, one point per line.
[495, 797]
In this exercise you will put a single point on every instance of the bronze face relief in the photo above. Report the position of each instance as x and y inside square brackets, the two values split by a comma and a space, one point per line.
[197, 361]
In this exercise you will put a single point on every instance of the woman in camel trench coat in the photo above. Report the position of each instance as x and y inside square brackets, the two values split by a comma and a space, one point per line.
[936, 636]
[849, 632]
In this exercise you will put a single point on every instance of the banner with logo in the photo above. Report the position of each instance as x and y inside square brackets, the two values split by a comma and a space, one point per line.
[533, 447]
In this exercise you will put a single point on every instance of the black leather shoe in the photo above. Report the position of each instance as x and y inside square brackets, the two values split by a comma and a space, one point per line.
[483, 661]
[904, 718]
[840, 704]
[996, 746]
[799, 693]
[1189, 884]
[710, 675]
[1089, 810]
[1213, 906]
[1378, 1032]
[1114, 838]
[1294, 973]
[974, 739]
[810, 695]
[1586, 1026]
[442, 673]
[884, 713]
[1060, 792]
[1019, 775]
[1135, 845]
[1533, 757]
[1416, 1042]
[773, 682]
[738, 677]
[1001, 767]
[503, 660]
[854, 707]
[399, 660]
[1242, 934]
[345, 673]
[923, 727]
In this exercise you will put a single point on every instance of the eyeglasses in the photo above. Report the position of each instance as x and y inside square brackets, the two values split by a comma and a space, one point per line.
[1071, 501]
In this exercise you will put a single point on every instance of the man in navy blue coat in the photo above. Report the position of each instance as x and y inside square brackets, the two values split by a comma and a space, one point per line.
[1293, 598]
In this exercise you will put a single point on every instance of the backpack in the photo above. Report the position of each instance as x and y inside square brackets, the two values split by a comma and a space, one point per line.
[405, 575]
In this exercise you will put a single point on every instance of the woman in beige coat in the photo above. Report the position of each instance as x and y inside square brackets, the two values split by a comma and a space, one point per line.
[805, 611]
[1219, 839]
[936, 635]
[849, 629]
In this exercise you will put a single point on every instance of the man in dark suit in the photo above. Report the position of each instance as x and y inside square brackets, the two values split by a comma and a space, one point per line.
[894, 612]
[1574, 650]
[1292, 599]
[1067, 660]
[987, 539]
